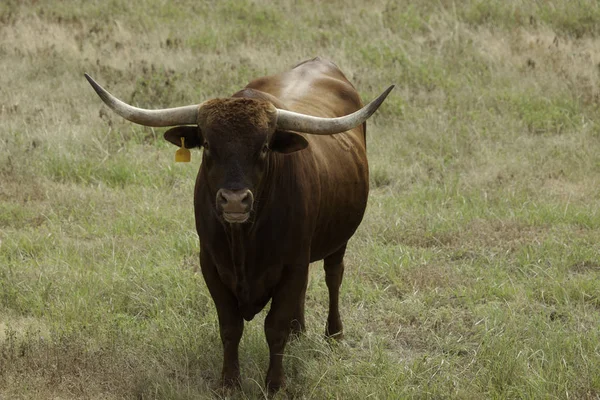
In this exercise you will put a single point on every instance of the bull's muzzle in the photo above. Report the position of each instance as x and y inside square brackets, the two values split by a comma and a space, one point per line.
[235, 205]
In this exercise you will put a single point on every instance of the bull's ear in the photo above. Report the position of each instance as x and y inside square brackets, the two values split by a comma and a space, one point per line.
[192, 135]
[287, 142]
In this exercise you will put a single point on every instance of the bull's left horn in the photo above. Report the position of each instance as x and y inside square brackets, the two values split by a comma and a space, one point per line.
[289, 120]
[187, 115]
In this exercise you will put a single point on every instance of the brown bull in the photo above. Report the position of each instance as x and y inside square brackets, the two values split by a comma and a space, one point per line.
[269, 200]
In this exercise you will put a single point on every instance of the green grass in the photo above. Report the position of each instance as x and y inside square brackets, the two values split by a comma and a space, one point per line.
[475, 273]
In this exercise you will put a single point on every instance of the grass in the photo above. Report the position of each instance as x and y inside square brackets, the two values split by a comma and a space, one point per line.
[475, 273]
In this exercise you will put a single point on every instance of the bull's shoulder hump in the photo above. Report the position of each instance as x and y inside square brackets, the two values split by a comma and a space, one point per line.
[251, 93]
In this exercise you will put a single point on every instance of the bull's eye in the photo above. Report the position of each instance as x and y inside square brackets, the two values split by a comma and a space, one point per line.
[265, 149]
[205, 145]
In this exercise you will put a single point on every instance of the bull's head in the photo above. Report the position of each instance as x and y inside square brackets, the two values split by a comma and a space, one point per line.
[237, 135]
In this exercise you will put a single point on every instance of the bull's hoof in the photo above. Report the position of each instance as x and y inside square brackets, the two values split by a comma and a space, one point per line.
[273, 387]
[334, 331]
[230, 381]
[274, 383]
[226, 388]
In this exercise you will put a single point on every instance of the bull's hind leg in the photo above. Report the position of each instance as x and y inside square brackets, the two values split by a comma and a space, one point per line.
[334, 272]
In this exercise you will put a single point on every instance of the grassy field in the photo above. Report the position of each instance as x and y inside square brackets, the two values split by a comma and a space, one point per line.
[475, 273]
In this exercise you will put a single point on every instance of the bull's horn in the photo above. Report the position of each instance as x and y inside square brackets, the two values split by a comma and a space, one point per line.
[289, 120]
[187, 115]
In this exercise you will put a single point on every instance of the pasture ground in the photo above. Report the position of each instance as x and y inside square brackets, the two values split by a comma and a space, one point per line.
[476, 271]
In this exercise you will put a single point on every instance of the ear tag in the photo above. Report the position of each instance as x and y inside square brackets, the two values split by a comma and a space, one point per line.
[183, 154]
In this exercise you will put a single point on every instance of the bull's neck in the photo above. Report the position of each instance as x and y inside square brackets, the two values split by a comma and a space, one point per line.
[238, 238]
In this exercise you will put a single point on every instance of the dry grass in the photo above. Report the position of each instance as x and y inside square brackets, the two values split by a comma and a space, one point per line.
[474, 274]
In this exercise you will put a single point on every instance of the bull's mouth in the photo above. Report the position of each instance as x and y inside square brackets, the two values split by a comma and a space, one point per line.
[236, 217]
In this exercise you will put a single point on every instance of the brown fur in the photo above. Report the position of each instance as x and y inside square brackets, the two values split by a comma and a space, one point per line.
[247, 113]
[310, 194]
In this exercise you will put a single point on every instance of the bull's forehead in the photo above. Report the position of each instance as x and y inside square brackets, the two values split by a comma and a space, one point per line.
[238, 118]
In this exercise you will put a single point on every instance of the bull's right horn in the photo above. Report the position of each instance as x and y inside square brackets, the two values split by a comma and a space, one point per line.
[289, 120]
[187, 115]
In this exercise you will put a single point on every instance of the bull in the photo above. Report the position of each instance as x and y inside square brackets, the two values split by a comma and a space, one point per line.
[283, 183]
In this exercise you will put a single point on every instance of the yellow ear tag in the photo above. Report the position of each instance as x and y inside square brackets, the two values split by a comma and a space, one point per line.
[183, 154]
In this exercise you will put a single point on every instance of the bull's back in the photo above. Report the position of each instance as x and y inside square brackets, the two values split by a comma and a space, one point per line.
[337, 163]
[314, 87]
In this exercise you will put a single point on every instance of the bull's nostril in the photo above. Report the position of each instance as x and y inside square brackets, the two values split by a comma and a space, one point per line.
[247, 199]
[221, 198]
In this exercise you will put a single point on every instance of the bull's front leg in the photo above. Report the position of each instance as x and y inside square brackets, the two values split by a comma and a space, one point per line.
[231, 324]
[298, 325]
[284, 308]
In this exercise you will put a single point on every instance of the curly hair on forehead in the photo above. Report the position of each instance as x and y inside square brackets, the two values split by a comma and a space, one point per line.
[240, 113]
